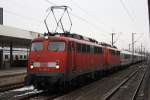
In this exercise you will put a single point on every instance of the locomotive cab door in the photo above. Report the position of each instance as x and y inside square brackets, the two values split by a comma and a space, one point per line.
[71, 59]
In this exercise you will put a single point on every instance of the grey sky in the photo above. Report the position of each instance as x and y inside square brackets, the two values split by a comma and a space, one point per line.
[99, 18]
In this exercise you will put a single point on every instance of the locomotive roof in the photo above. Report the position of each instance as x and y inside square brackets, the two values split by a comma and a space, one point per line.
[76, 38]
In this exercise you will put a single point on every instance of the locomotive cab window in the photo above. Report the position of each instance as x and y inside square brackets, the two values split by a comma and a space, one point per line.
[56, 46]
[37, 46]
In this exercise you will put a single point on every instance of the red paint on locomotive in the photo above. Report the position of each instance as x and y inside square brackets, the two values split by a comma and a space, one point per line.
[76, 58]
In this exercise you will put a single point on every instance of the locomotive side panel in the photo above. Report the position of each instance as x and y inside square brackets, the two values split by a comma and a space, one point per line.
[89, 58]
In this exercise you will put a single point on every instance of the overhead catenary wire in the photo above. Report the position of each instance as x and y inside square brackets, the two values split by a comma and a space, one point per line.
[86, 12]
[84, 20]
[95, 26]
[132, 19]
[127, 11]
[92, 24]
[83, 10]
[50, 2]
[130, 16]
[26, 18]
[140, 36]
[117, 38]
[20, 15]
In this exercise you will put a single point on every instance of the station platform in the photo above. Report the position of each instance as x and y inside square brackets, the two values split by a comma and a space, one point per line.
[12, 76]
[12, 71]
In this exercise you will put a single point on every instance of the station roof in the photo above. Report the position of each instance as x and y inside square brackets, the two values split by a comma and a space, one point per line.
[18, 37]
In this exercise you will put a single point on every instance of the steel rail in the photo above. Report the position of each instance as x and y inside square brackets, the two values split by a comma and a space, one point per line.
[139, 85]
[28, 95]
[11, 86]
[114, 90]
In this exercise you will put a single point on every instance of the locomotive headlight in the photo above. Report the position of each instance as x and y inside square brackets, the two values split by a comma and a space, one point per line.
[31, 66]
[57, 66]
[46, 37]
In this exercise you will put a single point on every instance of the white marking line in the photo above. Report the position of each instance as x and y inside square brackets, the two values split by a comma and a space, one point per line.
[28, 93]
[24, 89]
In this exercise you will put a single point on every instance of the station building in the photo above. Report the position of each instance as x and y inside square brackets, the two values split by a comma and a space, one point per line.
[14, 46]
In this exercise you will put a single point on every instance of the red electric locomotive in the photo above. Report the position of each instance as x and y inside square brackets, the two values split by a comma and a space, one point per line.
[59, 59]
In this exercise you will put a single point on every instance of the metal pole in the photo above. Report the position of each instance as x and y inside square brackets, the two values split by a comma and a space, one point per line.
[11, 54]
[129, 46]
[133, 47]
[144, 53]
[112, 39]
[149, 14]
[27, 52]
[141, 48]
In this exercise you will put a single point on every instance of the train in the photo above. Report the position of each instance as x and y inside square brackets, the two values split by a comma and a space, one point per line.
[57, 59]
[20, 57]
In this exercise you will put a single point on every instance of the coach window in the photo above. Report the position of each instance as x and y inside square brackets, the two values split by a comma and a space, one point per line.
[16, 57]
[6, 57]
[126, 56]
[20, 56]
[25, 57]
[56, 46]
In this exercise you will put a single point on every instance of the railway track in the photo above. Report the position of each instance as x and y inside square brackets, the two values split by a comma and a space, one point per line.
[29, 93]
[36, 95]
[44, 97]
[20, 93]
[128, 88]
[11, 86]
